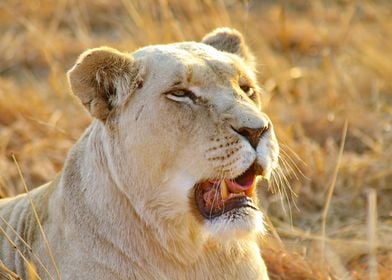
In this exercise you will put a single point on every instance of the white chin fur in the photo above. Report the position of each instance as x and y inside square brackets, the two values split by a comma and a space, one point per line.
[237, 224]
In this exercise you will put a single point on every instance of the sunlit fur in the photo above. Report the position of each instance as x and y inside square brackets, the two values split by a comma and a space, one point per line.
[236, 225]
[123, 206]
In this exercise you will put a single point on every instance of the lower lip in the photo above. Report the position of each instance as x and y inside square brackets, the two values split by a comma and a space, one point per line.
[229, 205]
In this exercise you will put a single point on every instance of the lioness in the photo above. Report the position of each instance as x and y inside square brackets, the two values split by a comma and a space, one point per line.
[162, 183]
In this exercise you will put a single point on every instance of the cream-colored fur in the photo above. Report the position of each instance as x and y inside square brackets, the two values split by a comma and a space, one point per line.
[123, 206]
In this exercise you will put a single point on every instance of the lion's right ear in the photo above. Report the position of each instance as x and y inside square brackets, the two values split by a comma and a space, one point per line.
[101, 78]
[229, 40]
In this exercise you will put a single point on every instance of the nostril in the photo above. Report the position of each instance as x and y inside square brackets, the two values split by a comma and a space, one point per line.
[245, 131]
[252, 134]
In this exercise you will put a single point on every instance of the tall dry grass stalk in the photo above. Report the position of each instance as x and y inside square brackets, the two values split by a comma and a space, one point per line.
[331, 188]
[7, 274]
[372, 233]
[30, 267]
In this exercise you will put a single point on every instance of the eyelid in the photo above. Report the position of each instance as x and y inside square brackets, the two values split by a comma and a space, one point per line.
[180, 90]
[247, 88]
[187, 93]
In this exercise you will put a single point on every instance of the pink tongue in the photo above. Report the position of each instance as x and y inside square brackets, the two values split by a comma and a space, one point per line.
[237, 188]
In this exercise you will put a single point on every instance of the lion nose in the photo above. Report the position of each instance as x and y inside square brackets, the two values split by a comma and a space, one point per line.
[253, 134]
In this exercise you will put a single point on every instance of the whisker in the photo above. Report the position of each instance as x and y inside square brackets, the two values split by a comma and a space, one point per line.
[292, 151]
[287, 166]
[297, 157]
[286, 181]
[284, 155]
[280, 191]
[286, 195]
[274, 183]
[216, 186]
[293, 195]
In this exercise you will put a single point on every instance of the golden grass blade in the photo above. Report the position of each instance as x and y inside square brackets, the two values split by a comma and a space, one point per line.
[331, 188]
[273, 230]
[372, 233]
[7, 274]
[31, 271]
[37, 218]
[27, 245]
[335, 263]
[18, 250]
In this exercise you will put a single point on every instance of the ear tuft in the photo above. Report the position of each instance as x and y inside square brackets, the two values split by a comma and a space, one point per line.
[229, 40]
[100, 78]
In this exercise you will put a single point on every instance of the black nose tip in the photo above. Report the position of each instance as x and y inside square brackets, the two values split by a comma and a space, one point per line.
[253, 134]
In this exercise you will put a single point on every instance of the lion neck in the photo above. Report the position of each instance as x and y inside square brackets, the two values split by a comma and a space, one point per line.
[111, 212]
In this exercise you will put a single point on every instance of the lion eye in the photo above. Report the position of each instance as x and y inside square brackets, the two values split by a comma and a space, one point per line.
[180, 95]
[249, 91]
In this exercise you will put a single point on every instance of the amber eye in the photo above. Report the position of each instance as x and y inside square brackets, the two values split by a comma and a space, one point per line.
[249, 91]
[180, 94]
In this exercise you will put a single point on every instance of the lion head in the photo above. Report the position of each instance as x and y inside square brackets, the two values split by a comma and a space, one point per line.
[185, 136]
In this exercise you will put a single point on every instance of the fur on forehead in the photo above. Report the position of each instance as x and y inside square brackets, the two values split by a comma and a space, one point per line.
[103, 77]
[184, 58]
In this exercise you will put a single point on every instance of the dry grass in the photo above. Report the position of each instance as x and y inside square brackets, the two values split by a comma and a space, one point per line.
[322, 63]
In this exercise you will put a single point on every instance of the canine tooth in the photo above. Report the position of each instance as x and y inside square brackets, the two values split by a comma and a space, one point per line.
[223, 190]
[249, 192]
[232, 195]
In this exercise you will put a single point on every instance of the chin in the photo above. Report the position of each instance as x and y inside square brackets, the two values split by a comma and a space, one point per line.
[238, 224]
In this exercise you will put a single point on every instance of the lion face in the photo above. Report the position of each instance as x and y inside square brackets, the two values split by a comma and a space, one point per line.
[185, 131]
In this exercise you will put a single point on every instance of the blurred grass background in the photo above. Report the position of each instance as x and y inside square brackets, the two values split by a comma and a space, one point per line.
[322, 63]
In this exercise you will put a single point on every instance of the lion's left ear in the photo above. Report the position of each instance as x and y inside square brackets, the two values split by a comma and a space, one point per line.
[102, 78]
[229, 40]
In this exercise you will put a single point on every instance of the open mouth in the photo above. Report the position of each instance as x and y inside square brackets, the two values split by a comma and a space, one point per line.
[216, 197]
